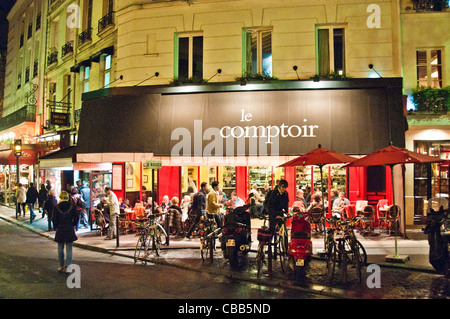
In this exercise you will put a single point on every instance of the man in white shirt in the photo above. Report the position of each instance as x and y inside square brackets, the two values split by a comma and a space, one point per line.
[114, 212]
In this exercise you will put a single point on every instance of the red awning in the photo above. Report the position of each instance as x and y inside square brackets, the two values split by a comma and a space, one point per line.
[29, 157]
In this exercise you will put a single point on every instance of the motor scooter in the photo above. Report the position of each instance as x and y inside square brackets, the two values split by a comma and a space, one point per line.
[438, 230]
[236, 235]
[300, 244]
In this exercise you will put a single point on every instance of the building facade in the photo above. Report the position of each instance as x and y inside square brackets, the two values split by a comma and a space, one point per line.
[333, 57]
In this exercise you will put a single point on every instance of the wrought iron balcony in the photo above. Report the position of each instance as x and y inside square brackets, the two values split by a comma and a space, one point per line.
[85, 36]
[106, 21]
[52, 58]
[67, 48]
[25, 114]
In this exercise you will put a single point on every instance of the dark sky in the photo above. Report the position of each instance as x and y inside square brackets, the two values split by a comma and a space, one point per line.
[5, 7]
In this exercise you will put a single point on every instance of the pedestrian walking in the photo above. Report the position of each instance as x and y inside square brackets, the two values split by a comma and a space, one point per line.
[21, 198]
[49, 206]
[65, 219]
[212, 204]
[114, 212]
[80, 206]
[32, 196]
[42, 197]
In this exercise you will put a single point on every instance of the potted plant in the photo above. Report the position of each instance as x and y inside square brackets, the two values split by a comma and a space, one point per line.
[427, 99]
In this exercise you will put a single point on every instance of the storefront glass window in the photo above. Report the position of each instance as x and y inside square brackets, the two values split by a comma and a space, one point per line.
[430, 180]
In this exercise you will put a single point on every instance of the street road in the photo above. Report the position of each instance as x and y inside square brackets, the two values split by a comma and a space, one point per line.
[28, 269]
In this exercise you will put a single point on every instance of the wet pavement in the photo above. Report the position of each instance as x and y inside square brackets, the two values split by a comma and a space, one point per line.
[413, 279]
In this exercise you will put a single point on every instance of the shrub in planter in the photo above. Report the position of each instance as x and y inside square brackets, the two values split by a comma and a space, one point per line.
[428, 99]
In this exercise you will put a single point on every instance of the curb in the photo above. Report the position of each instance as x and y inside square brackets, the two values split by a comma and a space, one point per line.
[273, 282]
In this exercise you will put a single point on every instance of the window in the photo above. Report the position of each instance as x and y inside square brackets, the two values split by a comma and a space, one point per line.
[257, 51]
[189, 56]
[429, 68]
[330, 50]
[85, 79]
[107, 73]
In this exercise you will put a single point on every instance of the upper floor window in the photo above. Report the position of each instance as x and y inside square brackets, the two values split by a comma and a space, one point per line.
[429, 68]
[189, 56]
[85, 79]
[107, 72]
[257, 51]
[330, 50]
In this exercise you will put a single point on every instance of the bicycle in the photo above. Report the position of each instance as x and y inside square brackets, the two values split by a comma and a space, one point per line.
[264, 238]
[208, 235]
[344, 250]
[150, 232]
[281, 241]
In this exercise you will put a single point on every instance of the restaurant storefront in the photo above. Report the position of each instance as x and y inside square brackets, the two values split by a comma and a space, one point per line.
[240, 134]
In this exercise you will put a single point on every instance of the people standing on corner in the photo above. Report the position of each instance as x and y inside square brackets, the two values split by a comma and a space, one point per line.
[212, 204]
[79, 204]
[65, 219]
[114, 211]
[32, 196]
[198, 207]
[85, 193]
[49, 206]
[21, 198]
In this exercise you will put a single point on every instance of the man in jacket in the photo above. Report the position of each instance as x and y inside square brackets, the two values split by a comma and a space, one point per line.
[114, 212]
[198, 207]
[32, 196]
[277, 203]
[212, 204]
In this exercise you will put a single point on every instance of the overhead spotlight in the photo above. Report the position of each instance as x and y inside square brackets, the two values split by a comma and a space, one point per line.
[295, 68]
[372, 68]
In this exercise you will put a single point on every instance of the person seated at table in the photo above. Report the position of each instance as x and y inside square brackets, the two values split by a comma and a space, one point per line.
[149, 203]
[338, 205]
[316, 201]
[166, 203]
[103, 207]
[236, 201]
[122, 204]
[175, 216]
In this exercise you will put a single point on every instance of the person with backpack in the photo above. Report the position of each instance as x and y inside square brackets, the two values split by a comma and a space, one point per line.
[198, 207]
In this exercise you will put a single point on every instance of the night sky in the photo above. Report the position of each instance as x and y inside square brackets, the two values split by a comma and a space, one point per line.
[5, 7]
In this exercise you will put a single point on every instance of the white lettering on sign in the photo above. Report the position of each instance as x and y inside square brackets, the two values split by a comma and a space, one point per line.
[259, 138]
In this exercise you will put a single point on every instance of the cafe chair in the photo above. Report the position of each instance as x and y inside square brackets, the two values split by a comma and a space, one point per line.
[316, 219]
[360, 205]
[100, 222]
[367, 220]
[393, 215]
[124, 223]
[382, 208]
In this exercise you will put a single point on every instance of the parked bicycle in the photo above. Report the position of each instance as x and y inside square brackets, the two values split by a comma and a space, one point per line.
[344, 249]
[150, 233]
[208, 235]
[264, 237]
[281, 242]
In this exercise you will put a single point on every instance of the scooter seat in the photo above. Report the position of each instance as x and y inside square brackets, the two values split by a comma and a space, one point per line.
[301, 235]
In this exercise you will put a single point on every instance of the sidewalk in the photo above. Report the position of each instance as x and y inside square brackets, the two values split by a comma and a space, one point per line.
[377, 247]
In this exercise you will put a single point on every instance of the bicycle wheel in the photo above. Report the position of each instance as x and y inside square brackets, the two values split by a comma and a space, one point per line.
[204, 248]
[156, 242]
[140, 253]
[211, 245]
[259, 259]
[331, 258]
[282, 251]
[358, 263]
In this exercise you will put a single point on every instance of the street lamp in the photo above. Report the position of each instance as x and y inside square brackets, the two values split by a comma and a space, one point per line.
[17, 153]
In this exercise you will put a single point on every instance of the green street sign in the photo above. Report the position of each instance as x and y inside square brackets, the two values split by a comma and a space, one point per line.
[153, 164]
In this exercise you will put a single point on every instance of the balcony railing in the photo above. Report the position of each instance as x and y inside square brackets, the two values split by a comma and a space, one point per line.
[52, 58]
[67, 48]
[25, 114]
[106, 21]
[85, 36]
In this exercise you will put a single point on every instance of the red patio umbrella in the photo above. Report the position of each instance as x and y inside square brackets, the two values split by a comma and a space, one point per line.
[320, 157]
[392, 155]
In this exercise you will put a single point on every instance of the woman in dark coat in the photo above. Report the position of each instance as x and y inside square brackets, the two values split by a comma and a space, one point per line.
[65, 219]
[49, 206]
